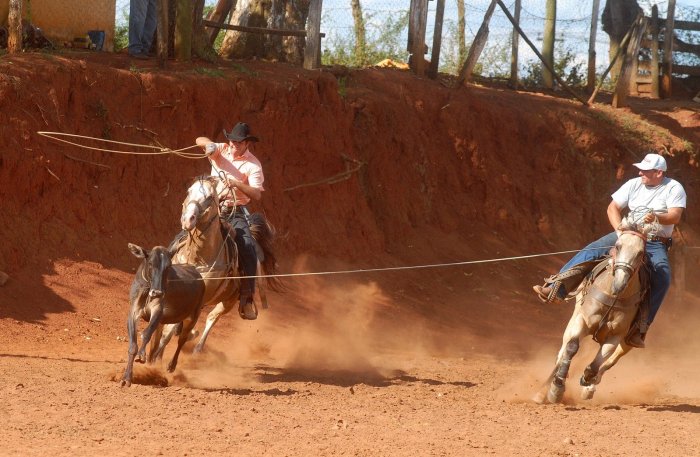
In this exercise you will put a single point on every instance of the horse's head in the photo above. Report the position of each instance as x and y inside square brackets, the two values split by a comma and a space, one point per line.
[154, 264]
[629, 252]
[201, 203]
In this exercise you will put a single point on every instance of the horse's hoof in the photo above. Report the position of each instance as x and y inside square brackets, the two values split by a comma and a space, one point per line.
[125, 383]
[555, 393]
[539, 398]
[587, 392]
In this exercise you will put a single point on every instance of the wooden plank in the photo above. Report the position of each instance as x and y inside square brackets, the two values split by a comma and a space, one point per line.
[515, 44]
[667, 62]
[686, 70]
[437, 39]
[590, 81]
[654, 52]
[312, 49]
[622, 88]
[465, 74]
[681, 25]
[261, 30]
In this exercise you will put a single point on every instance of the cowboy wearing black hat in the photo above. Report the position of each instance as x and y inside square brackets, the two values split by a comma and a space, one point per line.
[244, 175]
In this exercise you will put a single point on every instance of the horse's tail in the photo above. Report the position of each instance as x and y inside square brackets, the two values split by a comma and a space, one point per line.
[265, 234]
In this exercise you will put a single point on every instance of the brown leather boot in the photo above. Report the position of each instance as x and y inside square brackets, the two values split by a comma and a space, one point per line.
[247, 309]
[636, 338]
[542, 292]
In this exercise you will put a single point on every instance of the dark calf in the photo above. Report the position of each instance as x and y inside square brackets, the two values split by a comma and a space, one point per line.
[161, 293]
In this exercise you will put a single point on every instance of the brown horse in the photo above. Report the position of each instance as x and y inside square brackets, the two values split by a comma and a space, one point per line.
[605, 308]
[205, 247]
[161, 293]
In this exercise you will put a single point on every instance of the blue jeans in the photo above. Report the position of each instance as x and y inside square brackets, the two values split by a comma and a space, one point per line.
[142, 25]
[246, 253]
[657, 258]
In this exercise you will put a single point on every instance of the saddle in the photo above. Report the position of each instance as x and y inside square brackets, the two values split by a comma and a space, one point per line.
[582, 276]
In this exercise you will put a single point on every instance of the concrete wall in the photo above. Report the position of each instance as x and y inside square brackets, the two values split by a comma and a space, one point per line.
[63, 20]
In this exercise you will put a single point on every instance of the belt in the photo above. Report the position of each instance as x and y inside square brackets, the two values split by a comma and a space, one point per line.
[661, 239]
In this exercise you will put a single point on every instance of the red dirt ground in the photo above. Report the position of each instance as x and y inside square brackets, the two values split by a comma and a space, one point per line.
[438, 361]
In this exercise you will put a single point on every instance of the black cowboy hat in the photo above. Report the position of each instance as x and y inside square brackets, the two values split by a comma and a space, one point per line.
[240, 132]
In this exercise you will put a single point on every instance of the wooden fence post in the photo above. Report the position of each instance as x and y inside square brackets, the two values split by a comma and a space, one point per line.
[437, 39]
[163, 21]
[312, 49]
[590, 82]
[417, 21]
[668, 50]
[14, 26]
[218, 15]
[515, 44]
[654, 52]
[465, 74]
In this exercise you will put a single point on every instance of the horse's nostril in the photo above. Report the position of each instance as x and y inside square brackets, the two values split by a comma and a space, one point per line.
[155, 293]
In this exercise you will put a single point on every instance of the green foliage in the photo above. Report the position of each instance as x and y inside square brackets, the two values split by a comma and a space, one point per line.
[343, 86]
[121, 31]
[213, 72]
[565, 65]
[385, 40]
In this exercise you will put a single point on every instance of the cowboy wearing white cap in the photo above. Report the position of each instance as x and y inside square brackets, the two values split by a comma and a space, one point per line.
[245, 177]
[663, 199]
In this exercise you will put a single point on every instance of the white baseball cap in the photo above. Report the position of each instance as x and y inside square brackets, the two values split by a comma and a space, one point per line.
[652, 162]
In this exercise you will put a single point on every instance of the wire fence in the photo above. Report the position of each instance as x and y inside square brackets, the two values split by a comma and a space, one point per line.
[386, 24]
[386, 30]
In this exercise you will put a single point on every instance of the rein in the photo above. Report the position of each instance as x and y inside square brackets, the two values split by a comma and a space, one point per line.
[626, 266]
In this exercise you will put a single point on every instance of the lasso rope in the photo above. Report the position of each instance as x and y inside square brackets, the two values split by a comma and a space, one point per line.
[159, 149]
[410, 267]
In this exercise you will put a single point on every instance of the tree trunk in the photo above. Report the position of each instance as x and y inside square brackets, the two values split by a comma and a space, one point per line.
[244, 44]
[183, 30]
[548, 42]
[219, 14]
[461, 35]
[14, 25]
[297, 13]
[359, 29]
[273, 44]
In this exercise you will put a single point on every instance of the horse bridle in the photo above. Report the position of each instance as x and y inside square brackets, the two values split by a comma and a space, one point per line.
[202, 207]
[626, 266]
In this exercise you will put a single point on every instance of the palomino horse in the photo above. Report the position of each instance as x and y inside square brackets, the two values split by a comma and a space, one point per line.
[206, 248]
[161, 293]
[604, 309]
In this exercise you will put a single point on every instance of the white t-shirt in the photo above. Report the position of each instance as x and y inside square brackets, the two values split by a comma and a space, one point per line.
[635, 195]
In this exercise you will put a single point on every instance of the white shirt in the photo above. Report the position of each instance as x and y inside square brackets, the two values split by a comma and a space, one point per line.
[245, 168]
[635, 195]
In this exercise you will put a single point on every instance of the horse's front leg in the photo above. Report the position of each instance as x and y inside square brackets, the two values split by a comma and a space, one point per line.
[570, 345]
[156, 313]
[133, 347]
[608, 355]
[213, 316]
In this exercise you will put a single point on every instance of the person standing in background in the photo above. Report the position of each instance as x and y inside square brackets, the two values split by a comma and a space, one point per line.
[142, 27]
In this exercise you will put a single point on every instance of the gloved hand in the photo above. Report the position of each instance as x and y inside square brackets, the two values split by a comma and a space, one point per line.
[209, 149]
